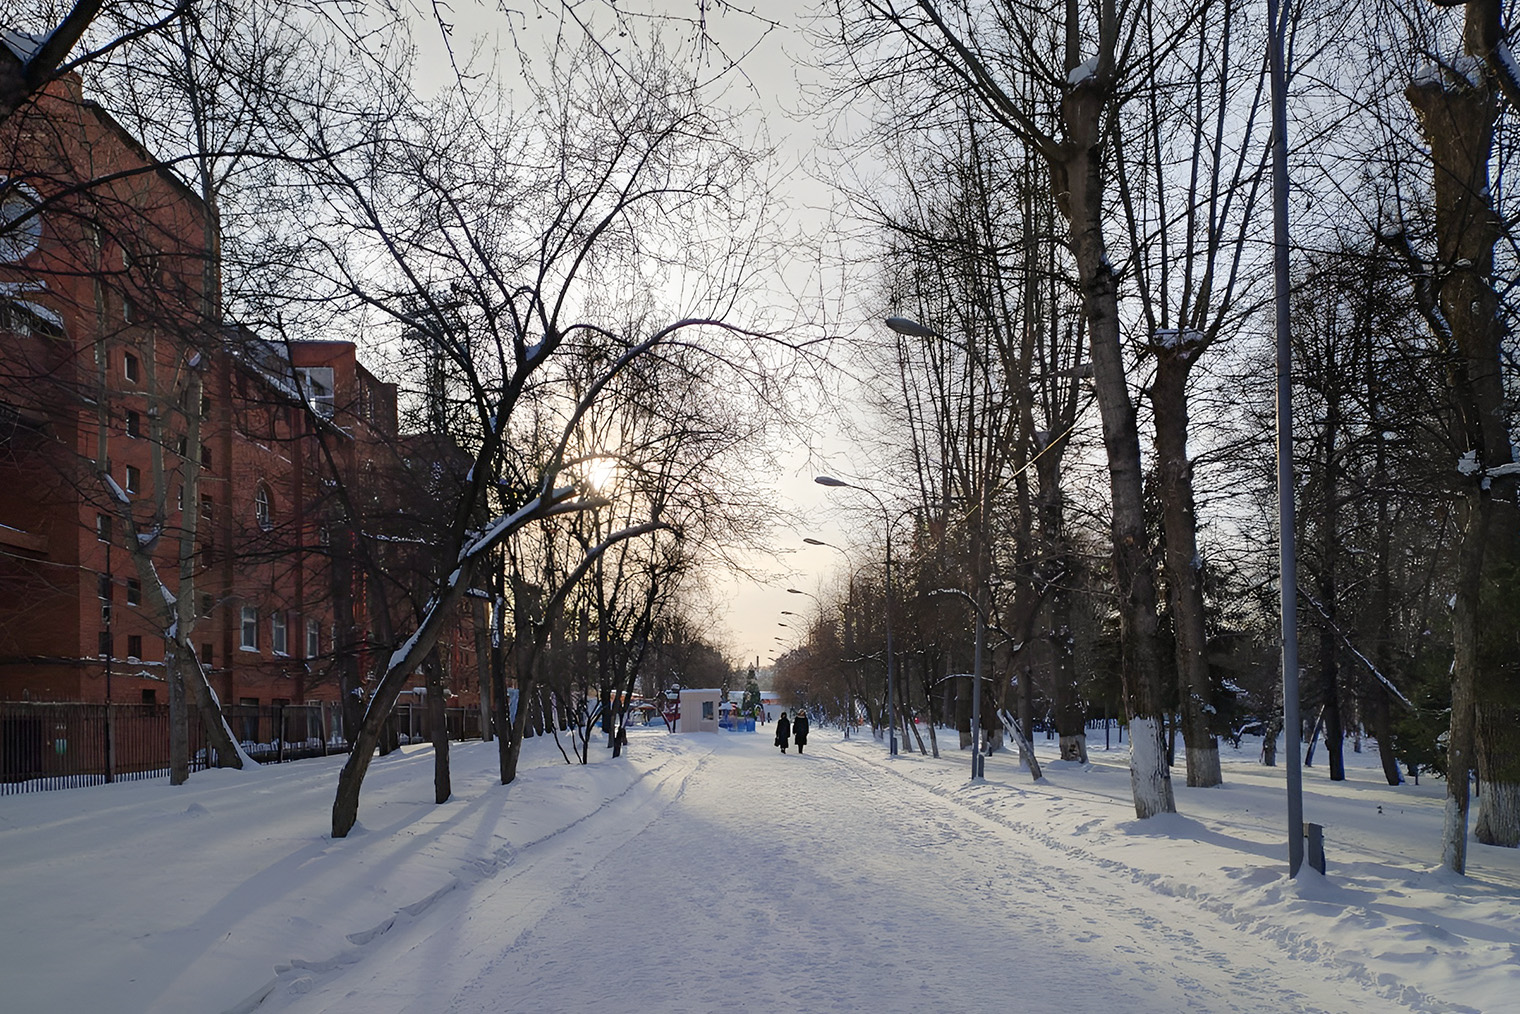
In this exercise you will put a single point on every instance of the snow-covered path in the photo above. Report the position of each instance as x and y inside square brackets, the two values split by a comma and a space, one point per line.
[747, 880]
[708, 873]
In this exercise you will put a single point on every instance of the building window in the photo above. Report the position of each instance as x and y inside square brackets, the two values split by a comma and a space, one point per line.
[134, 479]
[134, 647]
[313, 638]
[103, 646]
[207, 605]
[134, 592]
[205, 508]
[206, 654]
[150, 696]
[129, 367]
[261, 506]
[277, 640]
[250, 629]
[103, 585]
[205, 456]
[134, 424]
[105, 612]
[129, 310]
[317, 385]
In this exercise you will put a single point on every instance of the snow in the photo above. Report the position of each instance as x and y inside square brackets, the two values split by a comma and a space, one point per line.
[709, 872]
[1084, 70]
[23, 44]
[1506, 61]
[1464, 67]
[1172, 337]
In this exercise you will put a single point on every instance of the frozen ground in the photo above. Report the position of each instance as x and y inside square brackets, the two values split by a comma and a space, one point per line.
[703, 873]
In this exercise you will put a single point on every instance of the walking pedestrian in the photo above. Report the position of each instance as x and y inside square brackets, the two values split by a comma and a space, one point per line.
[800, 730]
[783, 732]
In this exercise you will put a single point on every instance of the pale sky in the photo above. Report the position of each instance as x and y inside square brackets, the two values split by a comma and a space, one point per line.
[775, 70]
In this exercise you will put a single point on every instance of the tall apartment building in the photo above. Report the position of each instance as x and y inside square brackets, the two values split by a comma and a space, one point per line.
[117, 383]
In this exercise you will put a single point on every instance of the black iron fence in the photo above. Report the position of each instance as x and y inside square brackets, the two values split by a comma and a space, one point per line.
[66, 745]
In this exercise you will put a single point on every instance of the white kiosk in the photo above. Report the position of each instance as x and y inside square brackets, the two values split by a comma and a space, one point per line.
[699, 710]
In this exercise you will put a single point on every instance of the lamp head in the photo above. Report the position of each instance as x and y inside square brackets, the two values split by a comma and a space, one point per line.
[911, 328]
[829, 480]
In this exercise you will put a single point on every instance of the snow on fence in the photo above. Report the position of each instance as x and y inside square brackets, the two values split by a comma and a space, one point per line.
[66, 745]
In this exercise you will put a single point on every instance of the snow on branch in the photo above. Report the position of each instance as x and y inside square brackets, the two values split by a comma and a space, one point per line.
[1502, 63]
[1335, 628]
[505, 524]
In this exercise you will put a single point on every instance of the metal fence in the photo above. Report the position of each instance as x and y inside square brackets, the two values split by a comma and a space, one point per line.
[67, 745]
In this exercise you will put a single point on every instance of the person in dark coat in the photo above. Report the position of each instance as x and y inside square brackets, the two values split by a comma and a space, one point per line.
[799, 730]
[783, 732]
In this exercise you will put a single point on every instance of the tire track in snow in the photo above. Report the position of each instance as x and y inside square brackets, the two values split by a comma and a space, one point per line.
[870, 893]
[305, 984]
[1188, 898]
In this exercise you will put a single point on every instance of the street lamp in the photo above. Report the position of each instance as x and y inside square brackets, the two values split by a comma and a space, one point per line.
[1287, 563]
[977, 768]
[911, 328]
[1026, 749]
[830, 481]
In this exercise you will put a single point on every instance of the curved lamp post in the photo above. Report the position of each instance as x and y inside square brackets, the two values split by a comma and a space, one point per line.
[830, 481]
[977, 761]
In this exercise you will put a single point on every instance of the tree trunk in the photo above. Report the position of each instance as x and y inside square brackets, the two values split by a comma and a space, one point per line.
[1174, 361]
[1079, 194]
[438, 724]
[479, 618]
[1458, 117]
[345, 812]
[1379, 701]
[1054, 571]
[1329, 551]
[179, 724]
[963, 709]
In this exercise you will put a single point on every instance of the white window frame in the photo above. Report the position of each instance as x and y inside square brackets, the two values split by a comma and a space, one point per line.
[261, 507]
[279, 634]
[317, 384]
[313, 638]
[248, 636]
[133, 479]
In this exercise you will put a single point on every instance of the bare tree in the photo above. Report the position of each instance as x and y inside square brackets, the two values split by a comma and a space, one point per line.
[531, 228]
[1458, 103]
[1048, 96]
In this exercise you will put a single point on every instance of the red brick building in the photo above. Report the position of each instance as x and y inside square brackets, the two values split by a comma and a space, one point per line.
[117, 381]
